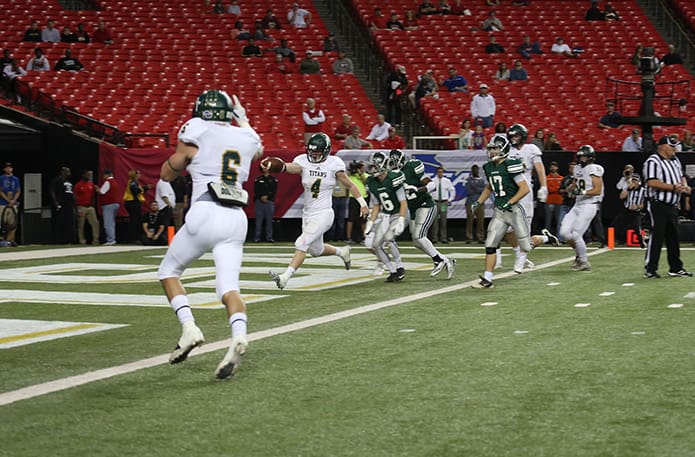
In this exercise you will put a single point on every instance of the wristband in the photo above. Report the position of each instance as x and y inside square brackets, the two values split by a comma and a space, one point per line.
[361, 201]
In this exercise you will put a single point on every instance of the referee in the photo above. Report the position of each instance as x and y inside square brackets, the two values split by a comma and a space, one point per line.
[663, 175]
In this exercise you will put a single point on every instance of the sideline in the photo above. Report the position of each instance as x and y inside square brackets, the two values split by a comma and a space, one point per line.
[37, 390]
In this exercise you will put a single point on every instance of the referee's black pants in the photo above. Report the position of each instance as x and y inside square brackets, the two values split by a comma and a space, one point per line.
[664, 218]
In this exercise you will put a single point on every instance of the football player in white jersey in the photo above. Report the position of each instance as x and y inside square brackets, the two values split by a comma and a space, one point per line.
[530, 156]
[319, 171]
[588, 188]
[218, 156]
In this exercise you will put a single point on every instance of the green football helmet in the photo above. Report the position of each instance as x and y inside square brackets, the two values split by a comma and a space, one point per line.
[318, 147]
[588, 153]
[517, 134]
[397, 159]
[378, 163]
[498, 147]
[214, 105]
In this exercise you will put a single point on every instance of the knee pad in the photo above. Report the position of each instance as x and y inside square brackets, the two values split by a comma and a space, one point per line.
[314, 252]
[489, 251]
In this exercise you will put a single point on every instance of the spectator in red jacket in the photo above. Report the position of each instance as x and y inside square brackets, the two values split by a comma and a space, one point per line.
[101, 35]
[85, 190]
[393, 141]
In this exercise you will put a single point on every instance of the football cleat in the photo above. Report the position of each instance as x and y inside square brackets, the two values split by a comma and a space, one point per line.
[651, 275]
[378, 270]
[519, 265]
[401, 273]
[528, 265]
[191, 338]
[279, 281]
[231, 361]
[438, 267]
[575, 264]
[345, 255]
[581, 266]
[483, 284]
[450, 267]
[680, 273]
[552, 239]
[393, 277]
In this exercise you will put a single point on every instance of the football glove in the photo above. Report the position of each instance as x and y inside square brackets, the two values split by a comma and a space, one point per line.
[368, 227]
[542, 194]
[506, 206]
[399, 226]
[238, 111]
[474, 206]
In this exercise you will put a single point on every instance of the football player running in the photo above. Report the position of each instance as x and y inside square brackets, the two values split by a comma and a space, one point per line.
[387, 218]
[588, 188]
[218, 156]
[507, 182]
[320, 171]
[422, 209]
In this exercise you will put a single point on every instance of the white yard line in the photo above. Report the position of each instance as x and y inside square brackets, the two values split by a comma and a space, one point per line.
[67, 252]
[97, 375]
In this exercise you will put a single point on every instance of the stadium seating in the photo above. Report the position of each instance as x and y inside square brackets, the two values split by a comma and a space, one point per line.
[685, 9]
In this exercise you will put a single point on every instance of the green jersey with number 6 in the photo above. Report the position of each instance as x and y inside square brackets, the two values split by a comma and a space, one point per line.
[385, 191]
[501, 178]
[414, 171]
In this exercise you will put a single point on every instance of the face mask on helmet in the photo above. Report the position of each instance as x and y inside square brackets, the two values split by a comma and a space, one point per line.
[378, 164]
[318, 148]
[517, 134]
[213, 105]
[498, 148]
[396, 159]
[586, 155]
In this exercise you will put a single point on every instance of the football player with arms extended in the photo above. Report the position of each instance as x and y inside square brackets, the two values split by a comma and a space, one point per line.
[387, 219]
[320, 171]
[218, 156]
[588, 188]
[421, 207]
[506, 180]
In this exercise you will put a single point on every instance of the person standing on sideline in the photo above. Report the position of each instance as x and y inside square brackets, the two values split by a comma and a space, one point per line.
[443, 194]
[340, 206]
[85, 191]
[10, 190]
[109, 198]
[63, 201]
[182, 194]
[475, 185]
[663, 176]
[134, 197]
[554, 200]
[265, 188]
[218, 157]
[166, 201]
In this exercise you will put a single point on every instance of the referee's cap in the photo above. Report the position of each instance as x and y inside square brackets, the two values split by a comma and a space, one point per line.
[671, 141]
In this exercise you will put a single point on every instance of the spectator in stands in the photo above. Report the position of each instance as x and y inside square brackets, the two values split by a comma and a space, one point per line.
[393, 141]
[344, 129]
[68, 36]
[259, 33]
[526, 48]
[483, 107]
[251, 49]
[378, 20]
[594, 13]
[478, 139]
[502, 73]
[609, 13]
[6, 59]
[355, 142]
[68, 63]
[396, 87]
[444, 7]
[455, 82]
[426, 88]
[637, 55]
[380, 130]
[458, 8]
[518, 73]
[539, 139]
[238, 32]
[552, 143]
[234, 8]
[672, 57]
[410, 23]
[633, 143]
[269, 21]
[492, 2]
[33, 33]
[394, 23]
[81, 34]
[343, 65]
[38, 62]
[560, 47]
[688, 144]
[11, 73]
[492, 23]
[612, 119]
[313, 119]
[50, 33]
[466, 134]
[426, 8]
[218, 7]
[101, 35]
[309, 65]
[330, 44]
[500, 130]
[298, 17]
[285, 50]
[493, 47]
[279, 66]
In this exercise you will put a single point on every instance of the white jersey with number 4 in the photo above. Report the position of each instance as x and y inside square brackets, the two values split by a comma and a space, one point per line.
[318, 180]
[582, 176]
[224, 153]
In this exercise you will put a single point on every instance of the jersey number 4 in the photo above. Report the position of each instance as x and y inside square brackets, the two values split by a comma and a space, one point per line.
[315, 188]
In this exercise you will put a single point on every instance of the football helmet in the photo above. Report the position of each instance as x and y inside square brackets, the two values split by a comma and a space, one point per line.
[586, 155]
[214, 105]
[498, 148]
[318, 147]
[396, 159]
[517, 134]
[378, 163]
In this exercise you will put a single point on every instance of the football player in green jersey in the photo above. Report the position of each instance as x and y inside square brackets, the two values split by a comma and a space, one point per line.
[422, 209]
[507, 182]
[386, 190]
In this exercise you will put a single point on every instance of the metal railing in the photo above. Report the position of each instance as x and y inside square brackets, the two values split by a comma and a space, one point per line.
[661, 13]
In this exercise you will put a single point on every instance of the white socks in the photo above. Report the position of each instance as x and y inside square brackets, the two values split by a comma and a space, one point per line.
[237, 322]
[182, 309]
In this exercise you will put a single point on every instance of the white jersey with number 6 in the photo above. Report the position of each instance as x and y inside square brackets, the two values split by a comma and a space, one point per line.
[318, 180]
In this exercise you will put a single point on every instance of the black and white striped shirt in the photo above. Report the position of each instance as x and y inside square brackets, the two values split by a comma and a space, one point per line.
[667, 171]
[635, 198]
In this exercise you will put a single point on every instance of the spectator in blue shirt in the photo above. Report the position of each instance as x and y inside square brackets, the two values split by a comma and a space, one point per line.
[455, 83]
[9, 197]
[612, 119]
[518, 73]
